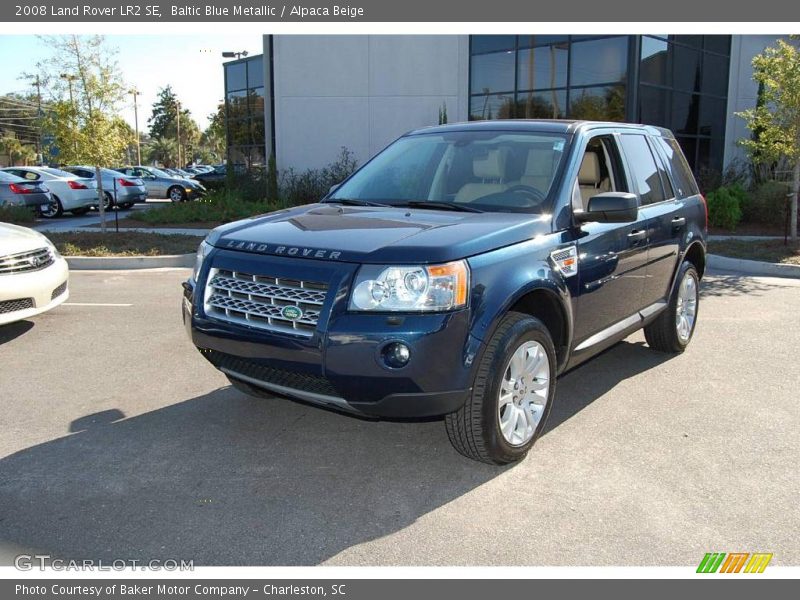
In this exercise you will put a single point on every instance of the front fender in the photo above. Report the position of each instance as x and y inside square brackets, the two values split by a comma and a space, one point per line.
[503, 277]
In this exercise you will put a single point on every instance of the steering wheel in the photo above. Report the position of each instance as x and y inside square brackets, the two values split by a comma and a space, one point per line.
[530, 193]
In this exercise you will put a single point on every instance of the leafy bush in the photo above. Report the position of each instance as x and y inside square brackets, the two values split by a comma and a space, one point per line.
[724, 207]
[312, 184]
[767, 204]
[220, 206]
[19, 215]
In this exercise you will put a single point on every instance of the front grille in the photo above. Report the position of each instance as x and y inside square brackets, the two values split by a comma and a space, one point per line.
[58, 291]
[260, 301]
[24, 262]
[314, 384]
[9, 306]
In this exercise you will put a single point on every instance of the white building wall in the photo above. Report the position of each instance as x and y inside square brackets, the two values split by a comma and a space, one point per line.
[742, 90]
[362, 92]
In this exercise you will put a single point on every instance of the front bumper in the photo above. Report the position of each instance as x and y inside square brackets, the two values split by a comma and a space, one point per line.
[341, 364]
[38, 291]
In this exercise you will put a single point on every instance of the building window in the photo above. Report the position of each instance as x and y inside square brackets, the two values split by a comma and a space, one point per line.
[244, 105]
[683, 85]
[548, 76]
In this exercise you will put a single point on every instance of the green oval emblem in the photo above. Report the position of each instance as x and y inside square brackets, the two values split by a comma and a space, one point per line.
[292, 313]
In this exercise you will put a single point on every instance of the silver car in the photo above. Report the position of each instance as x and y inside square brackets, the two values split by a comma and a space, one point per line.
[160, 184]
[16, 191]
[70, 193]
[124, 191]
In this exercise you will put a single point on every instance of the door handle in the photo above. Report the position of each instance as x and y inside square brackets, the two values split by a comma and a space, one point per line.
[637, 235]
[679, 221]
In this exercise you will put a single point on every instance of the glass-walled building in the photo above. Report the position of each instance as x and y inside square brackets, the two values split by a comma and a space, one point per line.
[308, 96]
[244, 109]
[677, 81]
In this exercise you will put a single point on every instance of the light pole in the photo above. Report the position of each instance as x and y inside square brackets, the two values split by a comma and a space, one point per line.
[70, 78]
[178, 112]
[236, 55]
[134, 92]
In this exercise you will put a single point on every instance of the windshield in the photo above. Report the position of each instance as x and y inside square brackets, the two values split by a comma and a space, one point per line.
[159, 173]
[9, 178]
[57, 172]
[469, 170]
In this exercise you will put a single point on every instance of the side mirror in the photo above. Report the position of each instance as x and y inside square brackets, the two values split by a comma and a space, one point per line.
[610, 207]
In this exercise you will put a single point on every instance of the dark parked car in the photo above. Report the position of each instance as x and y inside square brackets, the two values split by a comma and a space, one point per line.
[458, 273]
[16, 191]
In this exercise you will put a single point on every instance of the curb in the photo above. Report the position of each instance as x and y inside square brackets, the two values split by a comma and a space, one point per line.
[752, 267]
[92, 263]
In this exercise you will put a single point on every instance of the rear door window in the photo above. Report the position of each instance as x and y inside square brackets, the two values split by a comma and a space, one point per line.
[682, 177]
[644, 170]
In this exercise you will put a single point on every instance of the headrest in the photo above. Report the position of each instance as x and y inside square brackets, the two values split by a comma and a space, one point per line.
[589, 173]
[491, 166]
[540, 163]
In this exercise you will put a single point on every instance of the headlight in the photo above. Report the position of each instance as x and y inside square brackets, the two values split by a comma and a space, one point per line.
[414, 288]
[202, 252]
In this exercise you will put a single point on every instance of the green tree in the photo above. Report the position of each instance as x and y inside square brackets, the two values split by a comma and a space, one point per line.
[16, 151]
[163, 151]
[164, 123]
[776, 119]
[87, 90]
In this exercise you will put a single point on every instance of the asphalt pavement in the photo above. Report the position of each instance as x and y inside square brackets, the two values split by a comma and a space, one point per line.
[121, 442]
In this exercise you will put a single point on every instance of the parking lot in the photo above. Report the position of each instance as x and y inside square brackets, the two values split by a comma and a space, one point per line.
[120, 442]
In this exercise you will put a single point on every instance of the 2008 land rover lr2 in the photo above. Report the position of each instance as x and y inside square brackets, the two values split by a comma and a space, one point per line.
[458, 273]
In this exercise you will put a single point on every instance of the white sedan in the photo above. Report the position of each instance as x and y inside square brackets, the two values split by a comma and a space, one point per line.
[70, 193]
[33, 275]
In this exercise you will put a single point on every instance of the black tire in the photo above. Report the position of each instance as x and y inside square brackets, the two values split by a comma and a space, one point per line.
[662, 334]
[176, 194]
[78, 212]
[249, 390]
[108, 201]
[56, 209]
[474, 430]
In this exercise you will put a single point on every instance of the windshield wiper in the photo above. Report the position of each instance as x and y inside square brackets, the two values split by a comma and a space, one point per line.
[440, 206]
[352, 202]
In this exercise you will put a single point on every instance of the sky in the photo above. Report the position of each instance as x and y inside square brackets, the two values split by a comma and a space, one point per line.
[191, 64]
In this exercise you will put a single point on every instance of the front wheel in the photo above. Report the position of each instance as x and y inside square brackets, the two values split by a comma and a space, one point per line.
[673, 329]
[176, 194]
[511, 396]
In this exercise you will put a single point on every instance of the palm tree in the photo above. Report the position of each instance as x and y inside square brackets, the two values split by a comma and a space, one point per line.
[163, 151]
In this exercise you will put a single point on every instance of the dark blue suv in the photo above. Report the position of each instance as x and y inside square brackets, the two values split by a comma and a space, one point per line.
[458, 273]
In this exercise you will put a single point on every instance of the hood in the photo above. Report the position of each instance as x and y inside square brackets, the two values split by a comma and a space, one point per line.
[377, 234]
[14, 238]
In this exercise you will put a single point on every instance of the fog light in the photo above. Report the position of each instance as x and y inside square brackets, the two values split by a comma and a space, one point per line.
[396, 355]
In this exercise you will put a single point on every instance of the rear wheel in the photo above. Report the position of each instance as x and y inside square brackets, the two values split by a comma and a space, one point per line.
[511, 396]
[673, 329]
[176, 194]
[108, 201]
[53, 210]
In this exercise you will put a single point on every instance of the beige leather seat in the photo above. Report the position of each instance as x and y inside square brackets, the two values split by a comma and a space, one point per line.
[492, 170]
[590, 178]
[538, 170]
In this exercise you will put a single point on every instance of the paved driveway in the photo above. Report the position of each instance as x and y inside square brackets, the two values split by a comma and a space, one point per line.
[120, 442]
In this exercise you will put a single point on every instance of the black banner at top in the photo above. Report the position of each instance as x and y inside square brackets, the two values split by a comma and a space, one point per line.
[402, 11]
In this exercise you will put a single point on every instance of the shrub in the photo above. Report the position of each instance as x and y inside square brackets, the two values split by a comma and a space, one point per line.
[767, 204]
[219, 206]
[312, 184]
[724, 208]
[19, 215]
